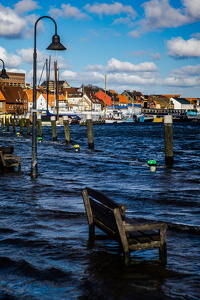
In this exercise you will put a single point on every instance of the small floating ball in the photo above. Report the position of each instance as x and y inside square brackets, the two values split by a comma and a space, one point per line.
[77, 148]
[152, 164]
[40, 139]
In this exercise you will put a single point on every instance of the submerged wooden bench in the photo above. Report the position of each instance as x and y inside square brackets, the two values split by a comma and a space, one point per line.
[9, 160]
[109, 216]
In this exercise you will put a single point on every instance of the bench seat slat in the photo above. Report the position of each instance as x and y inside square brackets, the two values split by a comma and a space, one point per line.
[140, 246]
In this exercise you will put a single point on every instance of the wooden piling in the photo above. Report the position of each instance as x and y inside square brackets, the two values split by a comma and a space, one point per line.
[28, 126]
[90, 131]
[53, 126]
[13, 124]
[39, 124]
[21, 125]
[7, 124]
[2, 123]
[168, 135]
[66, 129]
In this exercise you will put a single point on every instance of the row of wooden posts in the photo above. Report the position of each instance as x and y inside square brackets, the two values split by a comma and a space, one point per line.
[8, 122]
[25, 122]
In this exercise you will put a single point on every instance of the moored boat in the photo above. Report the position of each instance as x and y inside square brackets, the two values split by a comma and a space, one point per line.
[114, 120]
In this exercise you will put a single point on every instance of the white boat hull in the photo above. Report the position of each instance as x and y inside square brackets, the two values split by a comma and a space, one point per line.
[110, 121]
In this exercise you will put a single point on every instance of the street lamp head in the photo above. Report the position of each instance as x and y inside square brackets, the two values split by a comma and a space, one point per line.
[56, 44]
[3, 74]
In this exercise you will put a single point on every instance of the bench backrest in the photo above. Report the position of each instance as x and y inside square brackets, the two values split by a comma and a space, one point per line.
[103, 211]
[105, 200]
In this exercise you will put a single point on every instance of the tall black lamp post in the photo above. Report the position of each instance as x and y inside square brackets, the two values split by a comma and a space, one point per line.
[3, 72]
[55, 45]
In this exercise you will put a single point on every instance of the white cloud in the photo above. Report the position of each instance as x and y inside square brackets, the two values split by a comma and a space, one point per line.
[123, 74]
[156, 56]
[124, 78]
[95, 68]
[181, 82]
[187, 71]
[27, 56]
[110, 9]
[115, 65]
[67, 11]
[24, 6]
[129, 76]
[159, 15]
[180, 48]
[139, 53]
[12, 25]
[196, 35]
[10, 60]
[192, 8]
[125, 21]
[69, 74]
[187, 76]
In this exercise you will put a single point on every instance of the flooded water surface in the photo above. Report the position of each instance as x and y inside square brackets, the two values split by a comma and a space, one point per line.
[44, 251]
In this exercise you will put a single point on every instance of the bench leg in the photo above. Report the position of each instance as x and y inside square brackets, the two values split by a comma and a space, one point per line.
[127, 259]
[91, 235]
[163, 247]
[163, 254]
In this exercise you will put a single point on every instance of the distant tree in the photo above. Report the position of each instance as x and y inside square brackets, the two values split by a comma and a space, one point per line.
[91, 88]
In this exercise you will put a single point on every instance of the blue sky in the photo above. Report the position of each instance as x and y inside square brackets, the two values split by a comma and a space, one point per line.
[148, 46]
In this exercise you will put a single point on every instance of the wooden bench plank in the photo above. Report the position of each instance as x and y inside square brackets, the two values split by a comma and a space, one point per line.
[105, 214]
[100, 197]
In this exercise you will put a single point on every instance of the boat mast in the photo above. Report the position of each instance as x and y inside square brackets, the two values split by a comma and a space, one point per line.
[56, 88]
[105, 82]
[48, 65]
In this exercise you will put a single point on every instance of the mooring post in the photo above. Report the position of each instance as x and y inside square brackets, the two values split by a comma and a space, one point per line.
[53, 127]
[21, 124]
[168, 134]
[2, 123]
[66, 129]
[13, 124]
[28, 126]
[7, 124]
[39, 124]
[90, 131]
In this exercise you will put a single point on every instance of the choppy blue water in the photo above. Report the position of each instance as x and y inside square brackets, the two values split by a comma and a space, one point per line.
[43, 227]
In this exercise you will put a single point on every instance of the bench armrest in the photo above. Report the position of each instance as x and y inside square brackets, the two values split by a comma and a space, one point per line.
[141, 227]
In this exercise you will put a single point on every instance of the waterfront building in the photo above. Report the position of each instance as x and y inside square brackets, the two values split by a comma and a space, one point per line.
[13, 100]
[61, 84]
[181, 103]
[15, 80]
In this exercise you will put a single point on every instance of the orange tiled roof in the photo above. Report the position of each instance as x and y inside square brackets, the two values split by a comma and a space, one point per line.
[122, 99]
[171, 96]
[112, 91]
[51, 99]
[2, 98]
[104, 97]
[191, 99]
